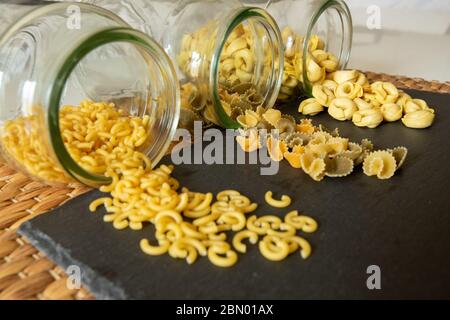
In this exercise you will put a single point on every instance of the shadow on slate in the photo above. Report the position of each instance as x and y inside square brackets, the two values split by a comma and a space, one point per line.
[400, 225]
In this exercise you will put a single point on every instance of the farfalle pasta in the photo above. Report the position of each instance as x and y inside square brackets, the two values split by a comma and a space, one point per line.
[319, 152]
[381, 164]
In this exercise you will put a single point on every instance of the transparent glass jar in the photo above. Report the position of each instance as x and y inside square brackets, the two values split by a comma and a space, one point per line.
[59, 54]
[309, 25]
[229, 57]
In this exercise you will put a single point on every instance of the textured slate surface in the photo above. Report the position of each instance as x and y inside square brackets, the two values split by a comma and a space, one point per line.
[401, 225]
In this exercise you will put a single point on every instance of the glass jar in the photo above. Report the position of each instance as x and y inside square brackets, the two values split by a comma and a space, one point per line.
[307, 26]
[59, 54]
[229, 57]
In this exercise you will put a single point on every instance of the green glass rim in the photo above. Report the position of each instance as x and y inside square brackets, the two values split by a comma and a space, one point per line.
[345, 49]
[240, 16]
[106, 36]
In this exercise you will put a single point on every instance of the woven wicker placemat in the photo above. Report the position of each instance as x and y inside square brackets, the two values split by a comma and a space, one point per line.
[25, 273]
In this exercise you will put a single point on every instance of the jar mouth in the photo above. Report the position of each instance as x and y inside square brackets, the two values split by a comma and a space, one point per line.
[276, 45]
[169, 121]
[345, 45]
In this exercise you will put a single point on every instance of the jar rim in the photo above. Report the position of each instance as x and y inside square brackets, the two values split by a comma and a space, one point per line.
[239, 16]
[44, 9]
[106, 36]
[346, 41]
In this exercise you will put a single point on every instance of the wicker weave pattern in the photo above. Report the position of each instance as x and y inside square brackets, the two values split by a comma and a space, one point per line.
[25, 273]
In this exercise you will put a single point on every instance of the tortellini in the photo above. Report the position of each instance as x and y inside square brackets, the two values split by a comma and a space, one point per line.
[348, 95]
[342, 109]
[419, 119]
[370, 118]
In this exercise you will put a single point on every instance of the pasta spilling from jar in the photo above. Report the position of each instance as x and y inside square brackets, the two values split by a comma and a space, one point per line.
[347, 95]
[317, 151]
[237, 89]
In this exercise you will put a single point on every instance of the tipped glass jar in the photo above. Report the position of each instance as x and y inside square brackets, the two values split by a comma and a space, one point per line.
[59, 54]
[317, 36]
[229, 57]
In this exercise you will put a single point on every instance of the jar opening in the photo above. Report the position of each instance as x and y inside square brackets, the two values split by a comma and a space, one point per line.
[332, 22]
[108, 67]
[246, 68]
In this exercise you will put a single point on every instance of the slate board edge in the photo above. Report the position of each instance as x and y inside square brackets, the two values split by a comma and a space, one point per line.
[97, 285]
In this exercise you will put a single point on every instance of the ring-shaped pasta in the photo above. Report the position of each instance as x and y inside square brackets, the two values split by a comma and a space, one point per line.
[194, 214]
[274, 248]
[205, 204]
[225, 195]
[191, 231]
[235, 218]
[206, 219]
[198, 245]
[304, 223]
[106, 201]
[195, 201]
[273, 221]
[216, 256]
[283, 203]
[305, 247]
[240, 236]
[286, 231]
[182, 203]
[253, 225]
[217, 236]
[172, 214]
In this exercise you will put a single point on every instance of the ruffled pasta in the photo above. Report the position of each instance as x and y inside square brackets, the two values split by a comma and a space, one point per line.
[381, 164]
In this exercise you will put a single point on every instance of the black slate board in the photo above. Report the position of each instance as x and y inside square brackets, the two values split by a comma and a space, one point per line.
[402, 225]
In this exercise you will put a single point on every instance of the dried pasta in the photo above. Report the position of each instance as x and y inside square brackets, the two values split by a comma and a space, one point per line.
[284, 202]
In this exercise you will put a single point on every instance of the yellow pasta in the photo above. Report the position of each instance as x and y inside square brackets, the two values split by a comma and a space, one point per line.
[304, 223]
[238, 237]
[152, 250]
[305, 247]
[273, 248]
[222, 257]
[284, 202]
[380, 163]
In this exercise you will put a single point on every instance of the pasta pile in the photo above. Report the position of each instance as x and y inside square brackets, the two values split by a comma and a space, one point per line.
[236, 69]
[315, 150]
[320, 64]
[102, 139]
[22, 140]
[347, 94]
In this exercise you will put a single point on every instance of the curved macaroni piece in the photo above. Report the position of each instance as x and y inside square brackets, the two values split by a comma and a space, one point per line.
[106, 201]
[221, 257]
[238, 237]
[284, 202]
[274, 248]
[234, 218]
[305, 247]
[303, 223]
[285, 231]
[154, 250]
